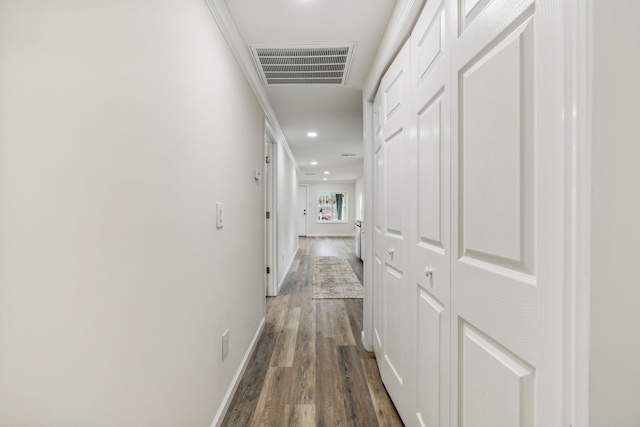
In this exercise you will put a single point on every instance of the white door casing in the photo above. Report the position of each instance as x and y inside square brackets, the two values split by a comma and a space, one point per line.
[302, 210]
[271, 197]
[376, 223]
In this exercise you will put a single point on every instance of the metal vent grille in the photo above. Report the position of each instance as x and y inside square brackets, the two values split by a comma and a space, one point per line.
[306, 64]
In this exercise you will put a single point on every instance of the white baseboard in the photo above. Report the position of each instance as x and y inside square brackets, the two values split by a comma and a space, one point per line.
[286, 271]
[222, 411]
[369, 348]
[332, 235]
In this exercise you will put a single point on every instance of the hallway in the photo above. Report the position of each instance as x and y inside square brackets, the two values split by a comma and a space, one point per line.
[309, 367]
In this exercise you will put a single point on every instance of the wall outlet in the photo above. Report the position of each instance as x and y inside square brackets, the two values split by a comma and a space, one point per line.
[225, 344]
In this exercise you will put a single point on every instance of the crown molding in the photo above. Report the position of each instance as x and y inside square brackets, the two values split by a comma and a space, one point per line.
[230, 32]
[401, 23]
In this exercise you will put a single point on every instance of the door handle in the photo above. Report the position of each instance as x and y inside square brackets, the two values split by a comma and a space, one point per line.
[391, 251]
[428, 271]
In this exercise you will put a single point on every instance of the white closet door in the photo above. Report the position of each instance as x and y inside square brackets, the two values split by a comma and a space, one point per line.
[391, 226]
[498, 215]
[430, 231]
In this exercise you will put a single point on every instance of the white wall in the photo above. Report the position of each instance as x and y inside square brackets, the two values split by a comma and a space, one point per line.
[323, 229]
[615, 286]
[287, 219]
[123, 122]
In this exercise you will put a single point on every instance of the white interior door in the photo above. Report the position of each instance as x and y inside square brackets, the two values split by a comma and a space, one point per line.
[500, 227]
[468, 217]
[430, 231]
[391, 227]
[302, 210]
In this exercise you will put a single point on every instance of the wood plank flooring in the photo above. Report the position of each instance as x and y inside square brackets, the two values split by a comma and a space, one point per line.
[309, 367]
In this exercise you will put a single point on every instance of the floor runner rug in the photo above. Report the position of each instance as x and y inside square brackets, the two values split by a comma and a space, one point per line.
[333, 277]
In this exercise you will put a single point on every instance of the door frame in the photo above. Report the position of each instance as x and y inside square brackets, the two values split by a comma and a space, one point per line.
[578, 48]
[306, 204]
[270, 204]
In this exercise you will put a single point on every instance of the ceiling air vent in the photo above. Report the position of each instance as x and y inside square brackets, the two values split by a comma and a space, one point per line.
[348, 155]
[303, 64]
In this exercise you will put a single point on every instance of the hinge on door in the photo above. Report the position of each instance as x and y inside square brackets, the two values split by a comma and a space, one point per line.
[267, 159]
[268, 215]
[268, 270]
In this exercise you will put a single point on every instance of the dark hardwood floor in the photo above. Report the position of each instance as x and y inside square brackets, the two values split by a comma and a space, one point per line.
[309, 367]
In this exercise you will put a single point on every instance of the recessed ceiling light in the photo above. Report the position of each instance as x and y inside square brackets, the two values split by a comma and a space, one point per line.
[326, 172]
[314, 163]
[324, 179]
[312, 134]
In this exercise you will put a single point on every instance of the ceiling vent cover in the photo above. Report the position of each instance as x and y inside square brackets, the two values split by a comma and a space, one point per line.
[303, 64]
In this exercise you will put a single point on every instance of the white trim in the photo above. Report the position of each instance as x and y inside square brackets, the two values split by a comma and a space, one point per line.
[271, 224]
[366, 244]
[306, 208]
[578, 69]
[230, 32]
[286, 270]
[332, 235]
[222, 410]
[265, 206]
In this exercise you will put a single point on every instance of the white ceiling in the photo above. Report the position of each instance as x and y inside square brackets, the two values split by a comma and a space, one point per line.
[333, 111]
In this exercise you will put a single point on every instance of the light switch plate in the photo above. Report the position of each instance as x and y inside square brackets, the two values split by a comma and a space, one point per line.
[225, 344]
[219, 222]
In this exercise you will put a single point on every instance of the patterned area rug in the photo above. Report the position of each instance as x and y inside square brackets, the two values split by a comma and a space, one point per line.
[333, 277]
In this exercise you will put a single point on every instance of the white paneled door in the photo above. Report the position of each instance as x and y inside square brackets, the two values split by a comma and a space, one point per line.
[468, 169]
[391, 225]
[430, 235]
[494, 296]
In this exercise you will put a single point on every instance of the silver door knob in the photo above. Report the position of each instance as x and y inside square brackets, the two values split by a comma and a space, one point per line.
[428, 271]
[391, 251]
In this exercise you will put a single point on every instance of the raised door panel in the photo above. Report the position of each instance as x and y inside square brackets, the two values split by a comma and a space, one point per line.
[496, 154]
[429, 171]
[497, 386]
[432, 368]
[393, 209]
[494, 295]
[394, 103]
[392, 315]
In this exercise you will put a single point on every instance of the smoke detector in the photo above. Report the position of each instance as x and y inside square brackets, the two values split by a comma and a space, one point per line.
[306, 64]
